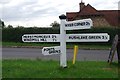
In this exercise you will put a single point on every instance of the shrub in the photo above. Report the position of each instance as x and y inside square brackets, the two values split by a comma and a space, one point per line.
[15, 34]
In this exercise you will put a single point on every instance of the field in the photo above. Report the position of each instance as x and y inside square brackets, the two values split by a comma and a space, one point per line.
[23, 68]
[51, 69]
[41, 45]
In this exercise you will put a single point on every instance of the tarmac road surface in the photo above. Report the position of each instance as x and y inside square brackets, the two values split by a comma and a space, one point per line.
[35, 53]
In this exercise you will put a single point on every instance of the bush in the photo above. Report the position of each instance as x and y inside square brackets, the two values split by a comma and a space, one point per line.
[111, 31]
[15, 34]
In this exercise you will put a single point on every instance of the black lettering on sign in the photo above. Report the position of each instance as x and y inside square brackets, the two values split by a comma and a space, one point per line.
[35, 39]
[24, 36]
[104, 37]
[43, 39]
[54, 36]
[83, 37]
[82, 24]
[43, 36]
[74, 37]
[51, 50]
[54, 51]
[48, 49]
[70, 37]
[36, 36]
[54, 40]
[77, 24]
[46, 36]
[40, 36]
[25, 40]
[87, 24]
[95, 37]
[77, 37]
[31, 39]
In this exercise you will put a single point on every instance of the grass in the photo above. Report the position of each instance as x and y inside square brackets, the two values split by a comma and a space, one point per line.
[9, 44]
[50, 69]
[0, 43]
[81, 46]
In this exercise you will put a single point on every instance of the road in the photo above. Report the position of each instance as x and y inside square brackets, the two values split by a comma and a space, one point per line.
[33, 53]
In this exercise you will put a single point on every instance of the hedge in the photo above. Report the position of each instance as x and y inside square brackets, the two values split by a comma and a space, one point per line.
[15, 34]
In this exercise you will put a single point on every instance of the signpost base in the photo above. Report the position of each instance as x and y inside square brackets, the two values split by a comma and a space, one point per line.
[64, 67]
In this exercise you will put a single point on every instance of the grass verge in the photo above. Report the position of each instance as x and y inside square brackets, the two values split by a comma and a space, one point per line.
[40, 45]
[50, 69]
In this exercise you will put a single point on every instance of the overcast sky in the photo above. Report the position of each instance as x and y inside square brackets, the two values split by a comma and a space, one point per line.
[42, 13]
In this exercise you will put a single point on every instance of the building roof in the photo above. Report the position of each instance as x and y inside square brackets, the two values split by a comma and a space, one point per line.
[110, 15]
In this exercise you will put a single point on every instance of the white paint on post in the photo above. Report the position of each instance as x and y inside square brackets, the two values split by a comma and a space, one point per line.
[78, 24]
[63, 61]
[51, 50]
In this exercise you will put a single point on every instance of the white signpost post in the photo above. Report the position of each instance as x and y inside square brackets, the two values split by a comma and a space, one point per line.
[63, 37]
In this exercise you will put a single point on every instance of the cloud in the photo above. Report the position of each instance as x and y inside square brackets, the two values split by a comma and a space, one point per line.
[15, 12]
[28, 10]
[119, 5]
[44, 12]
[25, 13]
[4, 1]
[103, 4]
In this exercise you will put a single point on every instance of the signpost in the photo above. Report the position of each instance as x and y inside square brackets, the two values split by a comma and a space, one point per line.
[63, 60]
[78, 24]
[63, 37]
[41, 38]
[89, 37]
[51, 50]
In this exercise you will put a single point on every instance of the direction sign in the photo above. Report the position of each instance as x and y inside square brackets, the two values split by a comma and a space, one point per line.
[91, 37]
[78, 24]
[41, 38]
[51, 50]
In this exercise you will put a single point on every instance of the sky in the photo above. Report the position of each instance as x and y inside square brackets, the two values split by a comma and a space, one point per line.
[42, 13]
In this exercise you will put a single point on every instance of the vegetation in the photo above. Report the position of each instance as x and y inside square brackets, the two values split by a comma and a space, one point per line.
[18, 44]
[55, 24]
[69, 45]
[15, 34]
[51, 69]
[10, 26]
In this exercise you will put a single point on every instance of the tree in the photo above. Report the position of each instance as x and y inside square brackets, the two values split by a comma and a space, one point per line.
[2, 25]
[10, 26]
[55, 24]
[22, 27]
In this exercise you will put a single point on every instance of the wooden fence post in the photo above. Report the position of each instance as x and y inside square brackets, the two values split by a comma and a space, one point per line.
[118, 49]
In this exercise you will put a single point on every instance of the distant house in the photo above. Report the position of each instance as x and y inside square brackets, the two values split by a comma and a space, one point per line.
[99, 17]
